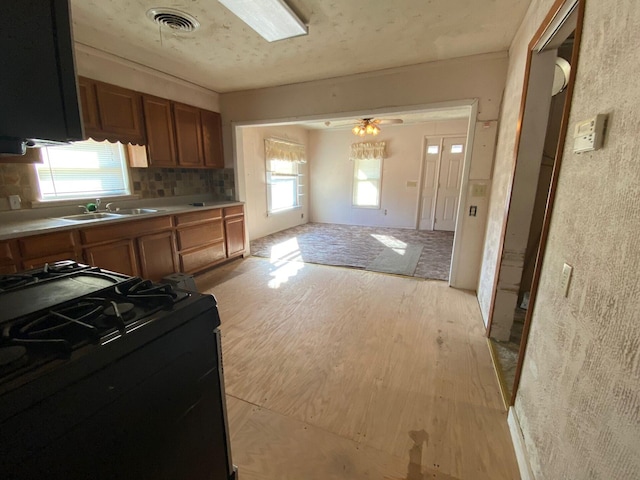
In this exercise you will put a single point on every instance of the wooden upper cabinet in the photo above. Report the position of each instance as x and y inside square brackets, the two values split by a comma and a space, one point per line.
[111, 113]
[161, 146]
[212, 139]
[89, 105]
[188, 130]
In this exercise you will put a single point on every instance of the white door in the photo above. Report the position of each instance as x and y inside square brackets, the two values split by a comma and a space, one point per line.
[451, 162]
[429, 183]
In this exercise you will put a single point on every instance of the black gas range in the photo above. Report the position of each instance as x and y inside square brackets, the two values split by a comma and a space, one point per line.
[97, 366]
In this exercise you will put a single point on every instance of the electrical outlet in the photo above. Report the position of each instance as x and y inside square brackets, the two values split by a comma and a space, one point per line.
[567, 270]
[15, 202]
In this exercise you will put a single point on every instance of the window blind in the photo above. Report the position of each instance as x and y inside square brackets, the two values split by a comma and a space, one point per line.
[83, 169]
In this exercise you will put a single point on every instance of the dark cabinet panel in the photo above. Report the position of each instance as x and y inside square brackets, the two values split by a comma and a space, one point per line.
[117, 256]
[188, 135]
[161, 146]
[89, 105]
[157, 255]
[212, 139]
[120, 113]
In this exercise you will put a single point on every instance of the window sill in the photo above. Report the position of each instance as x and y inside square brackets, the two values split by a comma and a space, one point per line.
[80, 201]
[367, 207]
[283, 210]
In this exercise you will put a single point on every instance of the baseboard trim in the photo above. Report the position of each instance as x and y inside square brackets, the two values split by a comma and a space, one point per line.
[518, 445]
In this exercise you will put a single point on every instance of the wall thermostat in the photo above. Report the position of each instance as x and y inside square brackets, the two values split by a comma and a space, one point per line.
[589, 134]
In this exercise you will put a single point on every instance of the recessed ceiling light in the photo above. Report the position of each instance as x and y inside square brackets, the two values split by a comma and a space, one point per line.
[272, 19]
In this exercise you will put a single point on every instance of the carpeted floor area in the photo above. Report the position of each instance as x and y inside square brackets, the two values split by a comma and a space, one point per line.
[358, 247]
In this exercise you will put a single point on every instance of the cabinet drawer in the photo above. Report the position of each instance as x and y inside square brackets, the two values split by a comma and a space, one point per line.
[124, 229]
[201, 258]
[232, 211]
[201, 234]
[51, 243]
[201, 216]
[40, 261]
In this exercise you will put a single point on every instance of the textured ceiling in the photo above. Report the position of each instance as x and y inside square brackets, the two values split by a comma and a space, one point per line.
[345, 37]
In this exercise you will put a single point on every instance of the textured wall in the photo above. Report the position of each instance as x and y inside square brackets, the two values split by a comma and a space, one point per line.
[579, 397]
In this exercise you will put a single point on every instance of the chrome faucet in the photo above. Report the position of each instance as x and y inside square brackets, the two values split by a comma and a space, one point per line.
[84, 208]
[97, 204]
[108, 207]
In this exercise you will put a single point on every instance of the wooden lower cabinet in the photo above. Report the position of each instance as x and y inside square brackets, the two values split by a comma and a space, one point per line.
[117, 256]
[48, 248]
[150, 248]
[201, 242]
[157, 255]
[200, 258]
[234, 230]
[9, 257]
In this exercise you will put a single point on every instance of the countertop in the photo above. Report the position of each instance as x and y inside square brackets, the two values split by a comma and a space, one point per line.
[43, 220]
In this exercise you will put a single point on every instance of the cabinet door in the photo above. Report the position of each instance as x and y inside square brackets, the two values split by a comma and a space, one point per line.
[157, 255]
[160, 135]
[117, 256]
[41, 249]
[188, 135]
[212, 139]
[234, 229]
[89, 105]
[120, 113]
[9, 257]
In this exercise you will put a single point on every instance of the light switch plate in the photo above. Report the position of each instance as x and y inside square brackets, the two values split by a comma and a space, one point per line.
[15, 202]
[567, 270]
[589, 134]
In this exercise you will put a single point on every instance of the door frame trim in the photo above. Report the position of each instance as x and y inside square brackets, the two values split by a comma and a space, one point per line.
[550, 21]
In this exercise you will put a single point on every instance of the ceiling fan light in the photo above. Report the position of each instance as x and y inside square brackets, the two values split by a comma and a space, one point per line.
[362, 131]
[369, 128]
[375, 130]
[356, 130]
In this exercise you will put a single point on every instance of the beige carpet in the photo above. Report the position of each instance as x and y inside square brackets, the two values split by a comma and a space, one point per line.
[357, 247]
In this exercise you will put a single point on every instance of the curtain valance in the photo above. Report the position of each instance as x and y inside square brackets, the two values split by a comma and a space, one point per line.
[276, 149]
[368, 150]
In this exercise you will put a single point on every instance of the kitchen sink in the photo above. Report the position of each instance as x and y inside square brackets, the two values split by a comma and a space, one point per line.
[136, 211]
[83, 217]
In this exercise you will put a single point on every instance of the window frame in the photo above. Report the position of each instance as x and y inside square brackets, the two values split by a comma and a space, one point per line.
[269, 174]
[62, 200]
[355, 182]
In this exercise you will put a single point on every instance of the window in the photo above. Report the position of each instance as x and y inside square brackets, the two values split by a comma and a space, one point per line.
[456, 148]
[83, 170]
[282, 183]
[432, 149]
[366, 182]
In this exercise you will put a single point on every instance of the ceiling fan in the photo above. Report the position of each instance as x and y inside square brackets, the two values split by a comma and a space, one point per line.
[366, 126]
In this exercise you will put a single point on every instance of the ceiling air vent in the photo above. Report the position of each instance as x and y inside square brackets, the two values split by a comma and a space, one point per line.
[174, 19]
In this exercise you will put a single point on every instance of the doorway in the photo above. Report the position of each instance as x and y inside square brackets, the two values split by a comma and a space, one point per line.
[548, 86]
[442, 177]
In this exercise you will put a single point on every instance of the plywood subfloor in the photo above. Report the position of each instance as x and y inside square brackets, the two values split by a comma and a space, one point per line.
[336, 373]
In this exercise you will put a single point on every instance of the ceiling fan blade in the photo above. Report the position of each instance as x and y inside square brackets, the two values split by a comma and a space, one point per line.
[389, 121]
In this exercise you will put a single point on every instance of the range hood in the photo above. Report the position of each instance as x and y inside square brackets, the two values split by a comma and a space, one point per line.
[38, 88]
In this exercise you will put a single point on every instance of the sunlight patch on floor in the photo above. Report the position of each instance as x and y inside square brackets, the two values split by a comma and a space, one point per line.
[390, 241]
[287, 258]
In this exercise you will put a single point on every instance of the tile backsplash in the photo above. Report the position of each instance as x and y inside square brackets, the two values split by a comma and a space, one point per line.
[19, 179]
[169, 182]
